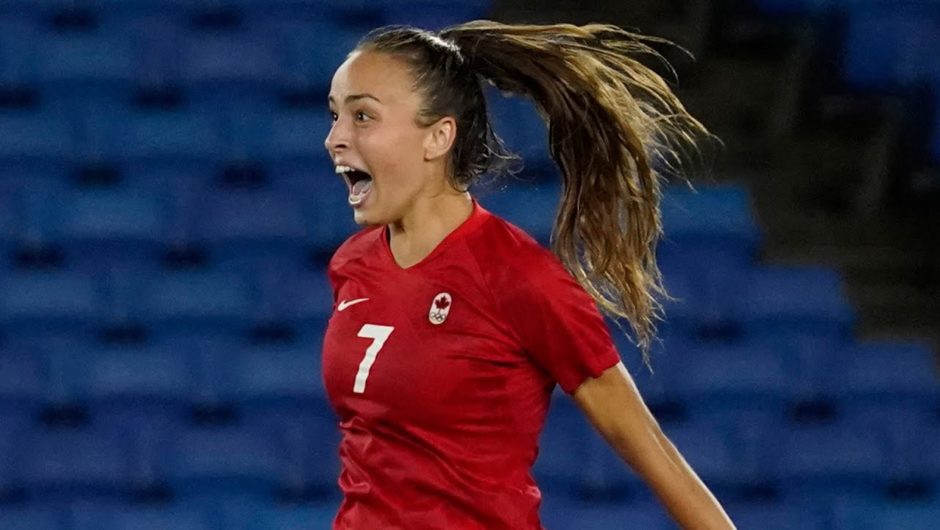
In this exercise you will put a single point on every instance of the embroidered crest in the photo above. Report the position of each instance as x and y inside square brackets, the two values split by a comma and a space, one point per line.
[440, 307]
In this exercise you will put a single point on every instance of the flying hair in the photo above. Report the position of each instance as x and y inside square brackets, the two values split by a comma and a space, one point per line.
[615, 130]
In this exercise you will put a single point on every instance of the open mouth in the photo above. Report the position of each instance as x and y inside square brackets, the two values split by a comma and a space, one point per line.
[359, 183]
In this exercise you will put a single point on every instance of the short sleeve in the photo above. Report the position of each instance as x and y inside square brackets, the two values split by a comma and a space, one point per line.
[559, 325]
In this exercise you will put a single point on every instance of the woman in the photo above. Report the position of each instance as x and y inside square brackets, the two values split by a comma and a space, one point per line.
[450, 326]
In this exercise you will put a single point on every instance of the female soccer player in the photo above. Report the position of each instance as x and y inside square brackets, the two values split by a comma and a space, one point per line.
[451, 326]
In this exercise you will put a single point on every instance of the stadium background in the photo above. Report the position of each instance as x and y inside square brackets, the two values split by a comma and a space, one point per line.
[167, 208]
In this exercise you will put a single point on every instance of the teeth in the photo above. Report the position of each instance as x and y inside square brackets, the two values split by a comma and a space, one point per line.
[343, 169]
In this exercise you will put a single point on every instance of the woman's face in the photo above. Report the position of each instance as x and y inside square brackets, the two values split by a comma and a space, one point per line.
[376, 144]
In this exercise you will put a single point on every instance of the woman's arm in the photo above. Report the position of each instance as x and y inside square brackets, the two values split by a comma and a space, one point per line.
[613, 404]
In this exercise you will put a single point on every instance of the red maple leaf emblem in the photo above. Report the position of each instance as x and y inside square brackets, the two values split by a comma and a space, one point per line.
[442, 303]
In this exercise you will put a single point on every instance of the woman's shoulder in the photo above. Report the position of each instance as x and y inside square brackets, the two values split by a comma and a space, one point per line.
[505, 247]
[357, 245]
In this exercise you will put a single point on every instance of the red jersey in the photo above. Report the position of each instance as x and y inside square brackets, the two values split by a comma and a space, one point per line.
[441, 375]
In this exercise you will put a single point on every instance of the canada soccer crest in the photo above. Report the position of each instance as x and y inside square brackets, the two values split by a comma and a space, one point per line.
[440, 307]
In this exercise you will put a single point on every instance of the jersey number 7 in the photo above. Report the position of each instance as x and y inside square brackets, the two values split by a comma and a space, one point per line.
[378, 334]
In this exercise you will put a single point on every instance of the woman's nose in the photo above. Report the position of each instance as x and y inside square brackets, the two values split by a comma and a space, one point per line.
[336, 139]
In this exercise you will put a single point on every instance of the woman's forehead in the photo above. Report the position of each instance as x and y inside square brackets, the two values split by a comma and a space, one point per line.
[374, 73]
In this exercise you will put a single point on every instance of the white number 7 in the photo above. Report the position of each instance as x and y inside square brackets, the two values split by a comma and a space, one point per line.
[378, 334]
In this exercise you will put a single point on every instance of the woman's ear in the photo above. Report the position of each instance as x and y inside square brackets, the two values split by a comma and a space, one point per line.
[440, 138]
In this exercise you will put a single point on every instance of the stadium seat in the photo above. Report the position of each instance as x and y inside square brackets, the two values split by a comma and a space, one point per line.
[33, 302]
[902, 372]
[221, 58]
[90, 58]
[224, 459]
[518, 123]
[774, 515]
[70, 463]
[884, 515]
[827, 460]
[88, 516]
[731, 375]
[794, 301]
[530, 206]
[160, 138]
[307, 437]
[563, 447]
[716, 215]
[190, 300]
[23, 382]
[269, 375]
[323, 197]
[252, 222]
[292, 517]
[888, 46]
[558, 512]
[312, 50]
[108, 226]
[32, 518]
[433, 14]
[297, 136]
[34, 137]
[300, 297]
[710, 240]
[136, 384]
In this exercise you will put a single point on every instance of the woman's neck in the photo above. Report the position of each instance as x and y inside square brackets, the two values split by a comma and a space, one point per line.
[421, 230]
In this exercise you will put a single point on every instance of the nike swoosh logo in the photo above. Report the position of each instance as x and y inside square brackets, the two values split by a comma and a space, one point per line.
[346, 303]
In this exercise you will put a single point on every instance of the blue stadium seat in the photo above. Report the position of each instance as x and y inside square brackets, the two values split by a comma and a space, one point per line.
[216, 59]
[774, 515]
[169, 137]
[45, 301]
[719, 215]
[34, 137]
[136, 384]
[269, 375]
[10, 230]
[113, 224]
[98, 58]
[299, 297]
[710, 452]
[529, 205]
[253, 222]
[884, 515]
[323, 195]
[99, 516]
[12, 425]
[563, 447]
[223, 459]
[307, 436]
[73, 463]
[32, 518]
[518, 123]
[432, 14]
[888, 46]
[794, 300]
[195, 300]
[879, 371]
[822, 461]
[710, 240]
[296, 136]
[731, 375]
[558, 512]
[23, 382]
[312, 50]
[292, 517]
[921, 458]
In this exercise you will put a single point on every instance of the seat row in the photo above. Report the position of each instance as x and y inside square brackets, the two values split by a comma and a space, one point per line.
[281, 452]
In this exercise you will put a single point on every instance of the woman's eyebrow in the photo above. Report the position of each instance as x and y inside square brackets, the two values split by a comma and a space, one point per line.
[355, 97]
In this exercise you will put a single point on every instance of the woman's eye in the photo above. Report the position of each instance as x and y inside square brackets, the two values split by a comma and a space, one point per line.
[361, 116]
[334, 116]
